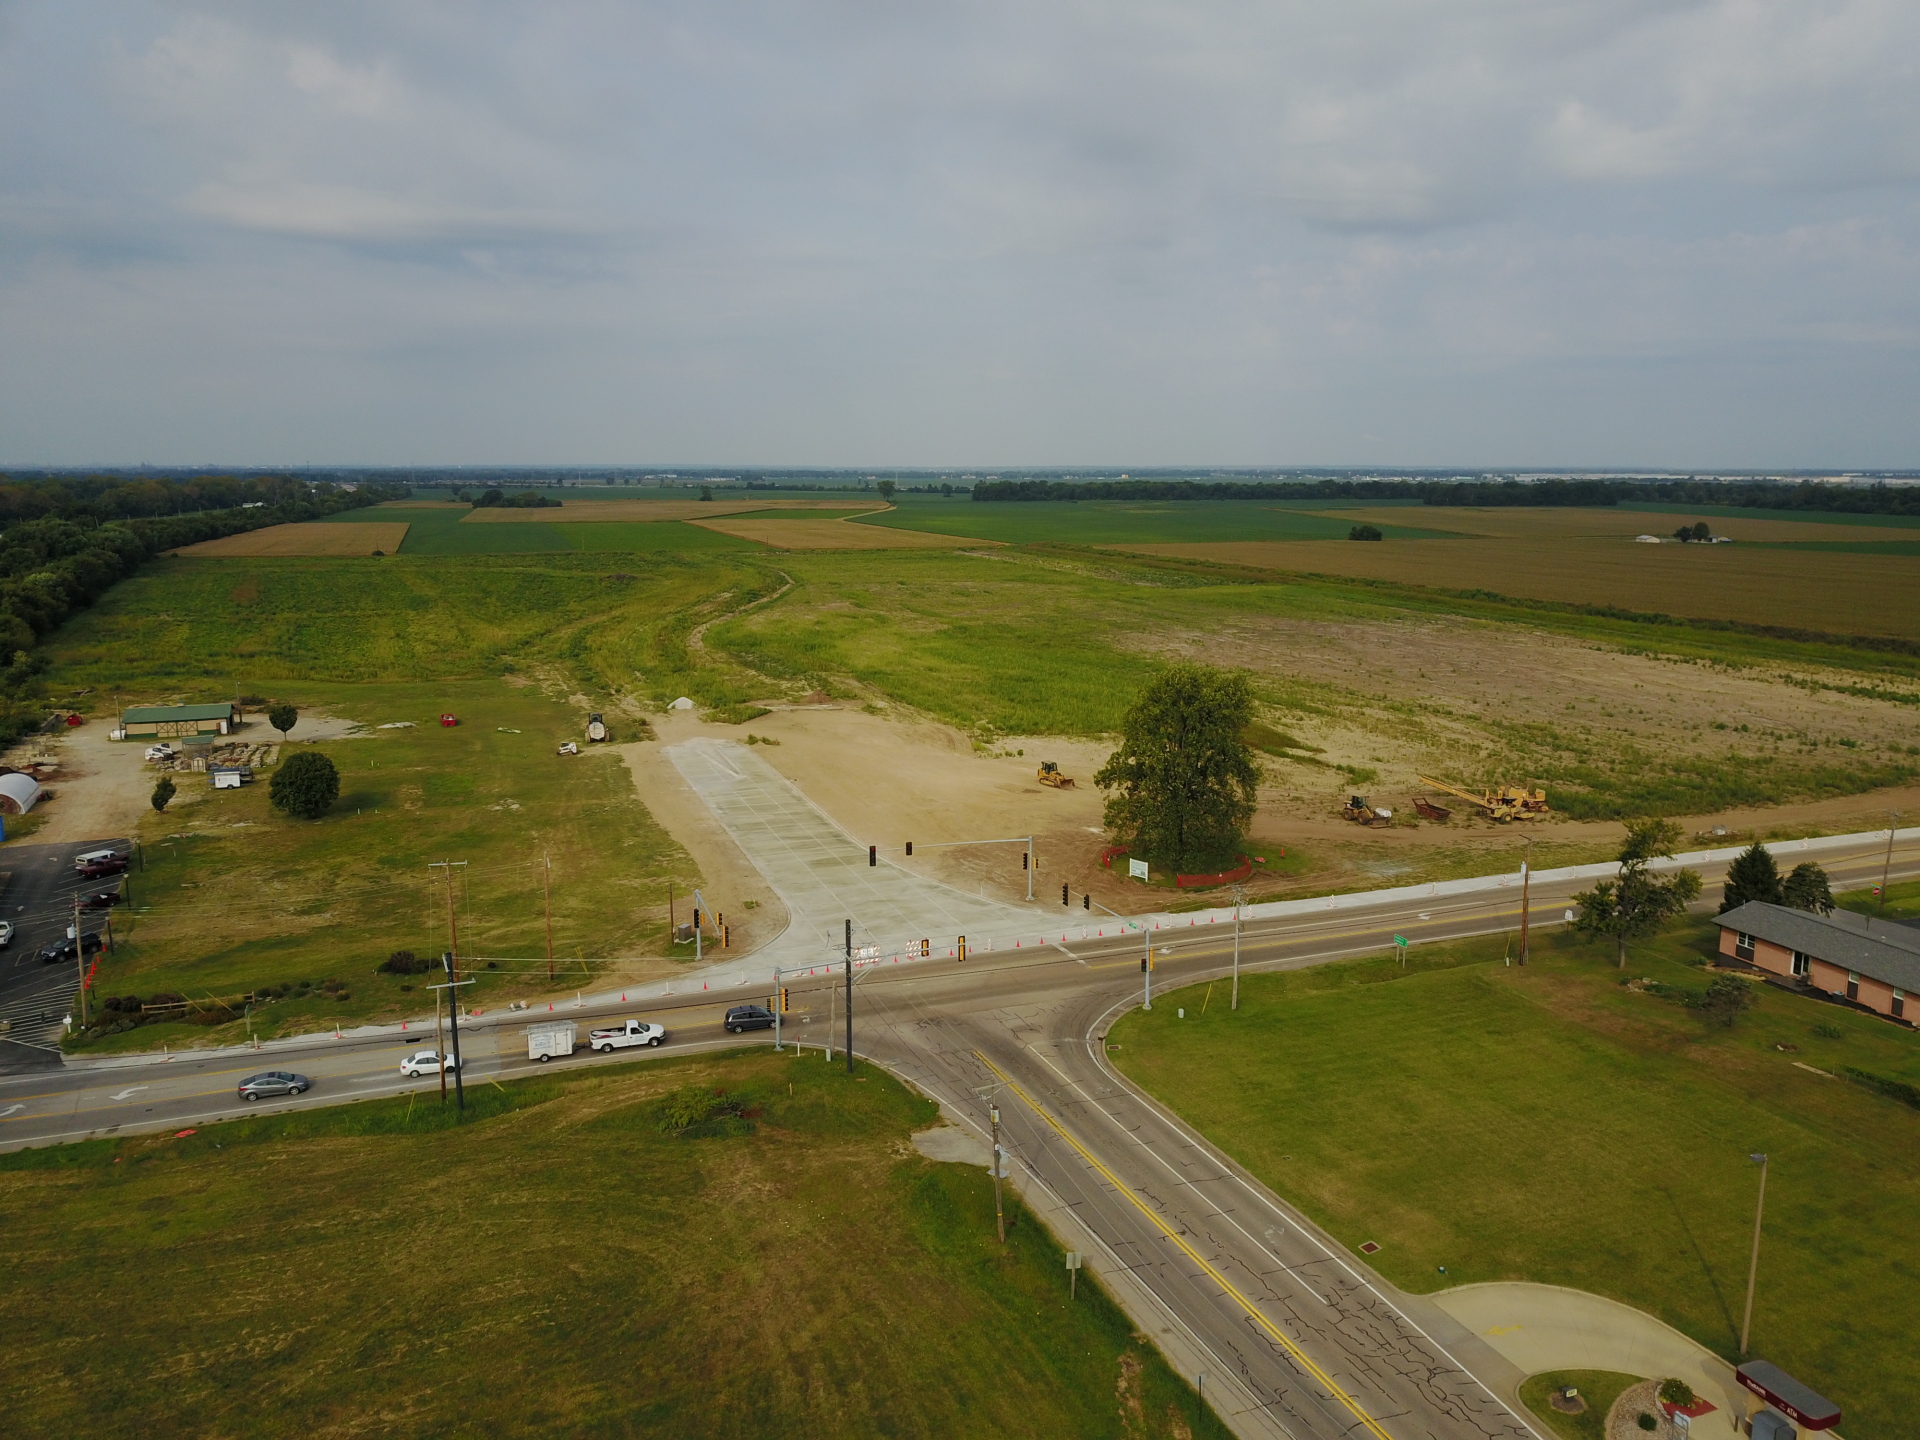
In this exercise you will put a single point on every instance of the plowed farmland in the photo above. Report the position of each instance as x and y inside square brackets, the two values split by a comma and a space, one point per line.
[312, 538]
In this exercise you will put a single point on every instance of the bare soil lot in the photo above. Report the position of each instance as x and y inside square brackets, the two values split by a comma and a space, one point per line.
[311, 537]
[1838, 593]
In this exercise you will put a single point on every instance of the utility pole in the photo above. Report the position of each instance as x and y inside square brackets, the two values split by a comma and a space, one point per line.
[80, 959]
[1033, 864]
[452, 987]
[1753, 1265]
[1526, 881]
[1146, 968]
[1239, 899]
[439, 1041]
[777, 1008]
[999, 1214]
[453, 932]
[548, 872]
[1893, 820]
[849, 997]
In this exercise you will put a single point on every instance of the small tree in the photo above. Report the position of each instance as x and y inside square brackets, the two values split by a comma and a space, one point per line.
[283, 717]
[946, 488]
[1751, 876]
[1807, 888]
[706, 492]
[886, 487]
[1727, 996]
[163, 793]
[1701, 534]
[1365, 532]
[489, 498]
[1635, 904]
[1182, 784]
[305, 785]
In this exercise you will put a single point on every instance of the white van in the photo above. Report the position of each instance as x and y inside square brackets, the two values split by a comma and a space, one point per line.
[93, 857]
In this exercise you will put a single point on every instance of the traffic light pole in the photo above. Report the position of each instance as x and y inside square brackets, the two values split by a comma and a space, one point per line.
[849, 997]
[1146, 953]
[1031, 859]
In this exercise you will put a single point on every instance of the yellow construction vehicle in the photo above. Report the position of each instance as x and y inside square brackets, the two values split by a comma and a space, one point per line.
[1509, 802]
[1361, 813]
[1049, 774]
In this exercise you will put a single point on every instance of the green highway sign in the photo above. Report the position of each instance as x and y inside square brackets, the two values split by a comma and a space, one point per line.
[1401, 941]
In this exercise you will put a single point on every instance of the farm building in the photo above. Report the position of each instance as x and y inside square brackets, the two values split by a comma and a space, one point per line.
[166, 722]
[1872, 963]
[18, 793]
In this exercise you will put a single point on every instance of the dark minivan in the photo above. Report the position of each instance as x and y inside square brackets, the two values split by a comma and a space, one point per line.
[749, 1017]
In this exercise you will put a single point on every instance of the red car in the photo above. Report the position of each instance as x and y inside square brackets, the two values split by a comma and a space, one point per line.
[100, 899]
[100, 869]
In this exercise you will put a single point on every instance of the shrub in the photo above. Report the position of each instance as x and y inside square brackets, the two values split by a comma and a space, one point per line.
[1827, 1030]
[306, 785]
[1881, 1085]
[1365, 532]
[1676, 1392]
[403, 962]
[1647, 1422]
[1727, 996]
[163, 792]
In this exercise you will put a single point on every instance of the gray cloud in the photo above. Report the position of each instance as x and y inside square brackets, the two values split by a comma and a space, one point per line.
[1493, 232]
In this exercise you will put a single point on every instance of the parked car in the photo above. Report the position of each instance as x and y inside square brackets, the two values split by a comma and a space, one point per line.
[63, 949]
[100, 899]
[269, 1083]
[101, 869]
[749, 1017]
[427, 1062]
[6, 933]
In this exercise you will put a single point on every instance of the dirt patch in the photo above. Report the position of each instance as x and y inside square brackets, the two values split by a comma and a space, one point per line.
[802, 534]
[1623, 1417]
[306, 538]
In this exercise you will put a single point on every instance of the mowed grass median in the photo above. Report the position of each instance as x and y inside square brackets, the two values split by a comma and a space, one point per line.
[1549, 1124]
[563, 1263]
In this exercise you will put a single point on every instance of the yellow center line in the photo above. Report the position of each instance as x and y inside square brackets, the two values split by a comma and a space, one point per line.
[1253, 1311]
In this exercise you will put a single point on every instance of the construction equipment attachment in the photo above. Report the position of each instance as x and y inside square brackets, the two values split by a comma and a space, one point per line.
[1427, 810]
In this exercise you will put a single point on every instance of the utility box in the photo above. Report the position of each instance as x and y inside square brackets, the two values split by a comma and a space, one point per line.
[1770, 1424]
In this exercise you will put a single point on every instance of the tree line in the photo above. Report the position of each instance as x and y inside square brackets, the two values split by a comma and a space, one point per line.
[70, 553]
[1752, 494]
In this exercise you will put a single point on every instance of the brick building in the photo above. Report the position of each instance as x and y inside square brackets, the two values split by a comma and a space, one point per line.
[1872, 962]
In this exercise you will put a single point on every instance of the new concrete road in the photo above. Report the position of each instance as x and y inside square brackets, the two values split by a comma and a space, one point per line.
[1295, 1336]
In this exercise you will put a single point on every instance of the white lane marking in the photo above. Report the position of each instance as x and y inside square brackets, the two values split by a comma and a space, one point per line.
[129, 1092]
[11, 1110]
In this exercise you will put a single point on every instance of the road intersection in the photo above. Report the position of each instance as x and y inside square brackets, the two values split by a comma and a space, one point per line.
[1297, 1337]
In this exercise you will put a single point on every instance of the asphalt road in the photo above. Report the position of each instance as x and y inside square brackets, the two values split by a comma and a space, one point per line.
[1297, 1337]
[37, 890]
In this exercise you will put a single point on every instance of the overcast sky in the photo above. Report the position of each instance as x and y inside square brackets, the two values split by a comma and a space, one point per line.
[1448, 232]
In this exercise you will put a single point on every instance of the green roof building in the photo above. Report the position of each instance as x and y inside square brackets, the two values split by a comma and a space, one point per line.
[166, 722]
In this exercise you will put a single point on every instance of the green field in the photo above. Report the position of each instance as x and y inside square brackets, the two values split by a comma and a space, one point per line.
[558, 1265]
[1599, 1388]
[440, 531]
[1547, 1124]
[1114, 522]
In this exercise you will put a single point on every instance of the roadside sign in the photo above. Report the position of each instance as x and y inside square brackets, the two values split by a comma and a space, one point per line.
[1401, 941]
[1136, 870]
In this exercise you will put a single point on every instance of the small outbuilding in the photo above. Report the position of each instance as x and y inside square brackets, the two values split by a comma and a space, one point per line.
[167, 722]
[19, 793]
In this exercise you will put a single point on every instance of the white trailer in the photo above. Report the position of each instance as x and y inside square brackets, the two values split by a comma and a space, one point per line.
[556, 1037]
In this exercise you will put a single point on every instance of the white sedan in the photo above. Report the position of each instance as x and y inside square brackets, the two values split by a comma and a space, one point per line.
[427, 1062]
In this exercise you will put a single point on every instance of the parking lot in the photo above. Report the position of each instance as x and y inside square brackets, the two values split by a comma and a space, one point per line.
[38, 885]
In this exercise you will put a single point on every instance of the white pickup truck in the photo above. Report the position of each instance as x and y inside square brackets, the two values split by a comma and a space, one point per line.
[621, 1037]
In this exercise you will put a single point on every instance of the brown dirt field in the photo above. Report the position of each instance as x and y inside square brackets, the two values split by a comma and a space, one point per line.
[575, 512]
[804, 534]
[306, 538]
[1548, 522]
[1838, 592]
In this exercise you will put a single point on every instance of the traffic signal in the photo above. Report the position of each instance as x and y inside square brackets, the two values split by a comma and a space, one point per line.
[873, 854]
[696, 917]
[909, 849]
[1146, 961]
[1063, 896]
[1023, 859]
[1086, 902]
[926, 948]
[785, 1004]
[963, 947]
[726, 936]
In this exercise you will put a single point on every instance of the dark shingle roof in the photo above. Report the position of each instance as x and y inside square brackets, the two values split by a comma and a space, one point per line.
[1878, 948]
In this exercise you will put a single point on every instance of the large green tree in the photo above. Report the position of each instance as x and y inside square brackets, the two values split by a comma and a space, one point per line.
[1752, 876]
[1181, 787]
[305, 784]
[1808, 888]
[1636, 903]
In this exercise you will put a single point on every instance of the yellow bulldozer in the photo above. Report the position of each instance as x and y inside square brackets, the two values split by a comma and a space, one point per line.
[1509, 802]
[1049, 774]
[1361, 813]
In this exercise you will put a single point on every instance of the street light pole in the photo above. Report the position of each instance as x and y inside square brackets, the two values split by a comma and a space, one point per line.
[849, 997]
[1146, 968]
[1753, 1265]
[1526, 883]
[1239, 899]
[1893, 820]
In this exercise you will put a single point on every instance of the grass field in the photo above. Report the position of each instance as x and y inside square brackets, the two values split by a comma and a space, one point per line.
[649, 511]
[558, 1265]
[1839, 594]
[1547, 1124]
[1572, 523]
[314, 537]
[1113, 522]
[799, 533]
[445, 531]
[1599, 1388]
